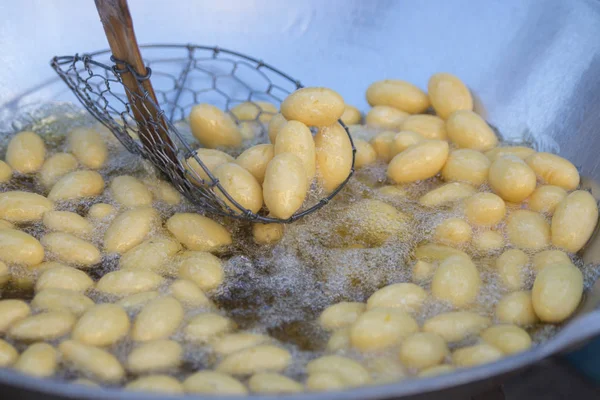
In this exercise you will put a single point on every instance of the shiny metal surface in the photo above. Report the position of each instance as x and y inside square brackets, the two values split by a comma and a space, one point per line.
[534, 67]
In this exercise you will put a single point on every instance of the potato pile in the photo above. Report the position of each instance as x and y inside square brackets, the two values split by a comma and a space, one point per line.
[112, 278]
[277, 175]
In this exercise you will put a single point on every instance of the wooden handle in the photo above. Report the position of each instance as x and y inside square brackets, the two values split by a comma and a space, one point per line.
[118, 28]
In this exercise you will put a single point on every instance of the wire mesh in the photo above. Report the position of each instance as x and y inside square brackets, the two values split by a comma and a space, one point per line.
[182, 77]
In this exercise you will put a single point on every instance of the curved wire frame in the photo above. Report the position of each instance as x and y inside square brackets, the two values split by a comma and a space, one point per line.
[182, 76]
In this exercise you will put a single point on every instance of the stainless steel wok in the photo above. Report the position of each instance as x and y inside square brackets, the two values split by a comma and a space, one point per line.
[534, 67]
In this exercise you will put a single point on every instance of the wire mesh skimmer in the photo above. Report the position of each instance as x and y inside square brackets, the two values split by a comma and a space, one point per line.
[150, 120]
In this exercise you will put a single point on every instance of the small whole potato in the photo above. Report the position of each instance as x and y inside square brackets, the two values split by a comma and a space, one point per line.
[455, 326]
[101, 325]
[398, 94]
[202, 268]
[511, 178]
[18, 247]
[71, 249]
[45, 326]
[403, 296]
[511, 268]
[385, 117]
[276, 123]
[466, 165]
[428, 126]
[189, 294]
[56, 167]
[130, 192]
[516, 308]
[478, 354]
[285, 185]
[546, 198]
[67, 222]
[88, 146]
[468, 130]
[197, 232]
[557, 291]
[423, 350]
[383, 144]
[313, 106]
[26, 152]
[510, 339]
[348, 371]
[255, 160]
[554, 170]
[129, 229]
[528, 230]
[213, 128]
[457, 281]
[154, 356]
[12, 311]
[241, 185]
[159, 319]
[63, 277]
[252, 360]
[54, 299]
[453, 232]
[365, 153]
[20, 206]
[448, 94]
[92, 360]
[334, 156]
[381, 328]
[447, 193]
[8, 354]
[351, 115]
[101, 211]
[40, 360]
[420, 161]
[574, 221]
[295, 137]
[77, 184]
[341, 315]
[127, 282]
[484, 209]
[548, 257]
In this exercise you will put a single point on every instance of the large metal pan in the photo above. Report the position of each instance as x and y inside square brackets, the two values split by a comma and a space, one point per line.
[534, 68]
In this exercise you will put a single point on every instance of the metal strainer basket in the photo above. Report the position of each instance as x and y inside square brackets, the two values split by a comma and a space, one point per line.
[182, 76]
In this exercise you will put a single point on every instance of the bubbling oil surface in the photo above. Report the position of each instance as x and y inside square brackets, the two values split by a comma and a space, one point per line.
[278, 290]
